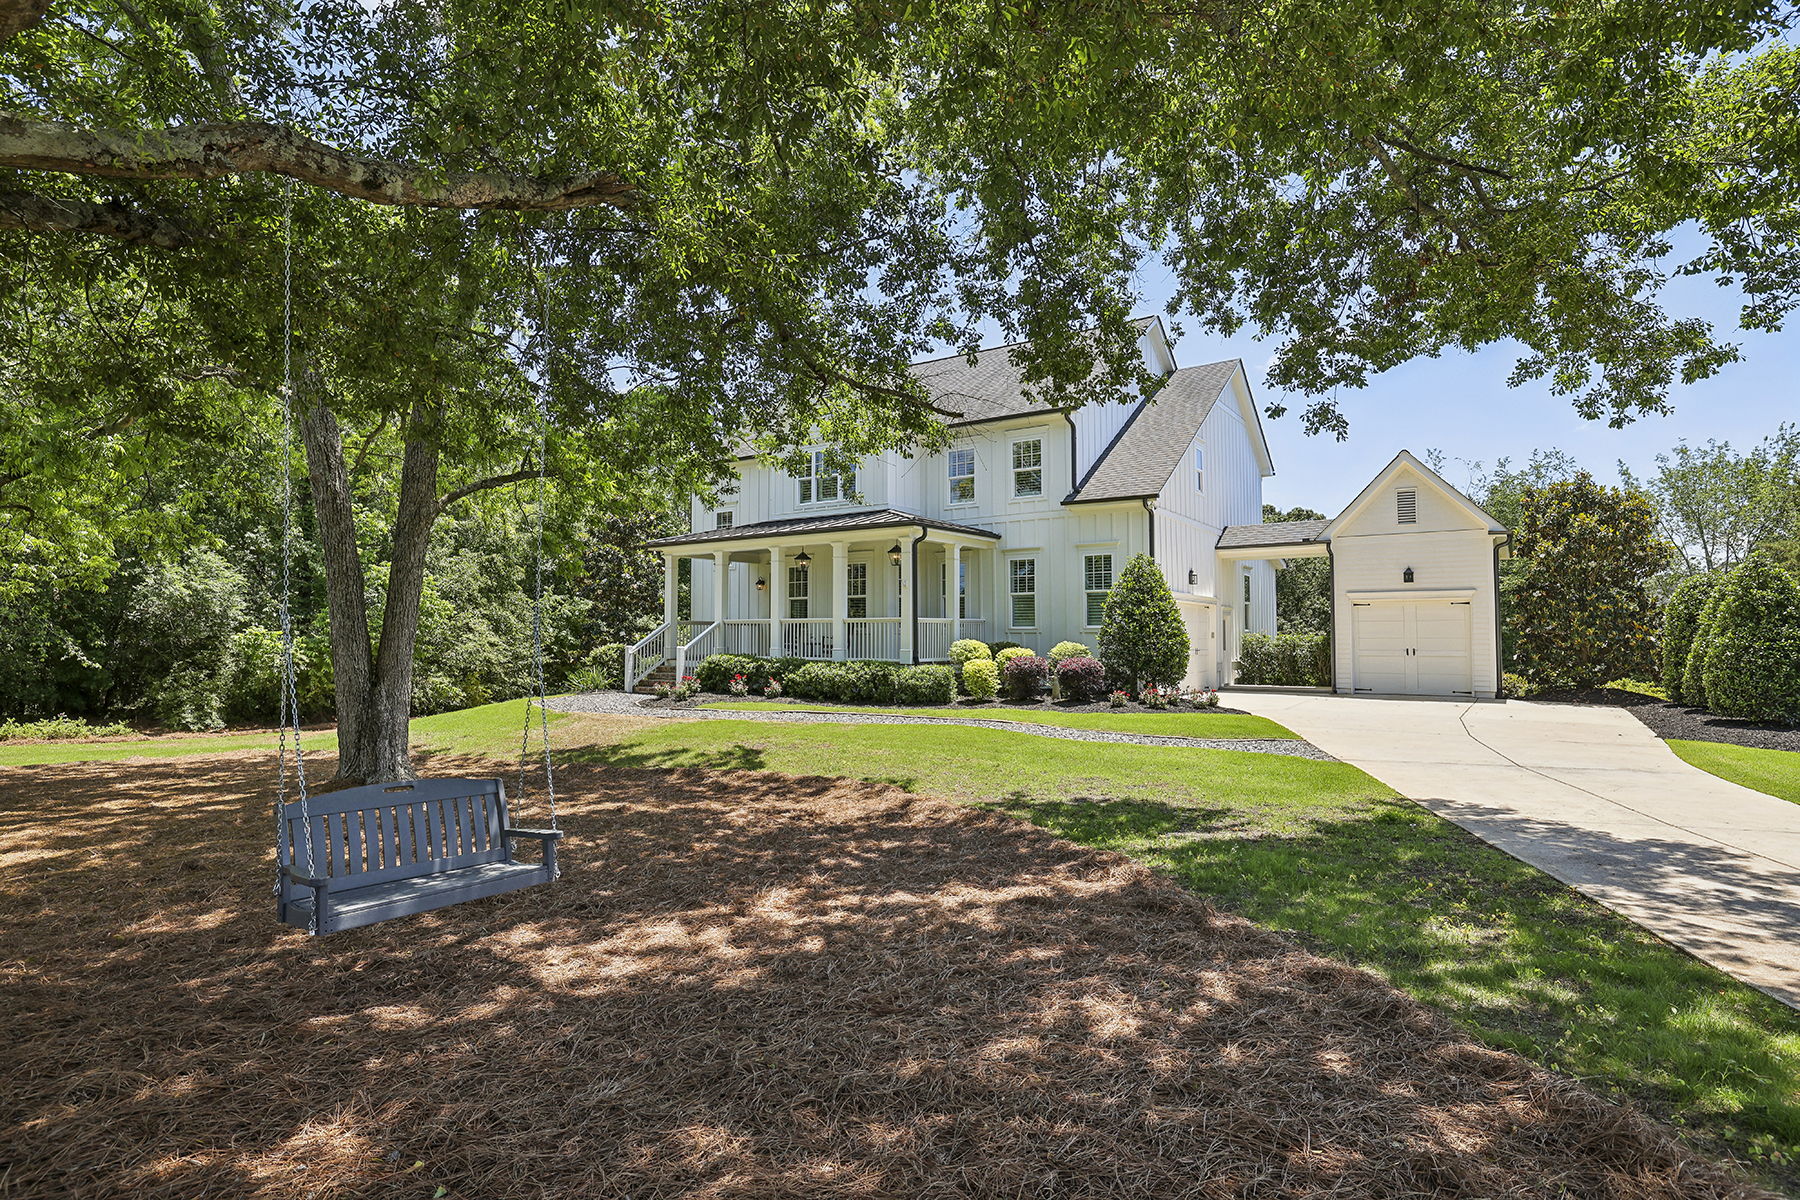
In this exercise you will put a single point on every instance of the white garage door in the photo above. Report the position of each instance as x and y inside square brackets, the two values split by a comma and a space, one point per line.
[1408, 648]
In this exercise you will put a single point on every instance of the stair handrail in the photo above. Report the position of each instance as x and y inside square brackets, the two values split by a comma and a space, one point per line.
[632, 676]
[681, 651]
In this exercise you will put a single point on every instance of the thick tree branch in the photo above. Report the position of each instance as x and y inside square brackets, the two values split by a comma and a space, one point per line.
[482, 485]
[1442, 160]
[54, 214]
[257, 147]
[16, 16]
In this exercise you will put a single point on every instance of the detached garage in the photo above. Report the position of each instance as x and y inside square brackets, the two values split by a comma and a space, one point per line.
[1415, 584]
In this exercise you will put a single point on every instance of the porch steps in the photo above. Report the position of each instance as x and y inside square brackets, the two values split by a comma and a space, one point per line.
[663, 674]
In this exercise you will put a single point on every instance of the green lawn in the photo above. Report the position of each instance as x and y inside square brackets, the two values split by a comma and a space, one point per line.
[1175, 724]
[1776, 772]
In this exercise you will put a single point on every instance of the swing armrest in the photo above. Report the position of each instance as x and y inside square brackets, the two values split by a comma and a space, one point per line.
[301, 877]
[542, 835]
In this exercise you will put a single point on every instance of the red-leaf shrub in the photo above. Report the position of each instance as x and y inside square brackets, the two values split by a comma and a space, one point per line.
[1025, 676]
[1082, 679]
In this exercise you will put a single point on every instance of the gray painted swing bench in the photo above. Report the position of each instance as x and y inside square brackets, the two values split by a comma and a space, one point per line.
[392, 850]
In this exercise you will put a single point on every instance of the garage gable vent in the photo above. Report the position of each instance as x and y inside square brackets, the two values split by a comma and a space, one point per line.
[1406, 502]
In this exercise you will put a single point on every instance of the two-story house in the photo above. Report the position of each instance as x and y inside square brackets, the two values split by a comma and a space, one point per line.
[1017, 530]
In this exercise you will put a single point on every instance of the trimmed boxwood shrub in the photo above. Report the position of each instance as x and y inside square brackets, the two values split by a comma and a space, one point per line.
[968, 650]
[1752, 667]
[1693, 672]
[1681, 621]
[1011, 652]
[715, 671]
[981, 679]
[1082, 679]
[934, 684]
[1025, 676]
[1063, 651]
[1142, 637]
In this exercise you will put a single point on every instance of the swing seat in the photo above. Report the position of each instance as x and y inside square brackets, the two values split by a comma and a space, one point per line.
[392, 850]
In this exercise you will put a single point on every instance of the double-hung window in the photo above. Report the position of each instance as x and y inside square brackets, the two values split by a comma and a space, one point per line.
[856, 590]
[1200, 468]
[1021, 578]
[1028, 467]
[797, 592]
[1097, 575]
[722, 519]
[819, 487]
[962, 476]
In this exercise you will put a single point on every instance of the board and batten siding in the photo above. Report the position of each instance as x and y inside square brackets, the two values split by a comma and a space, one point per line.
[1448, 550]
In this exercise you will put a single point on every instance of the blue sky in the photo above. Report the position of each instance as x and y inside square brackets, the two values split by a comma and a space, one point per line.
[1460, 404]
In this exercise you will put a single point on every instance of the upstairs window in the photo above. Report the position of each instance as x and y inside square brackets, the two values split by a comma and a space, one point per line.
[962, 476]
[722, 520]
[1022, 583]
[1406, 506]
[1199, 468]
[797, 592]
[818, 487]
[856, 591]
[1028, 467]
[1097, 575]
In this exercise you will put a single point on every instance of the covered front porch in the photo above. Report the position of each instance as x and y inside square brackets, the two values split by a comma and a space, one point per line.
[886, 585]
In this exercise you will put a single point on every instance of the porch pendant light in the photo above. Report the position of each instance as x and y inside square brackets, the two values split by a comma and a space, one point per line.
[894, 554]
[802, 558]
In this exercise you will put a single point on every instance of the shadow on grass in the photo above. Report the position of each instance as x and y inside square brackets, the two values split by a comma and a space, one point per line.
[733, 758]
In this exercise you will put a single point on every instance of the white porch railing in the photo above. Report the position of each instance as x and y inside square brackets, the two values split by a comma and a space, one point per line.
[935, 636]
[703, 643]
[645, 656]
[972, 627]
[806, 639]
[873, 638]
[744, 637]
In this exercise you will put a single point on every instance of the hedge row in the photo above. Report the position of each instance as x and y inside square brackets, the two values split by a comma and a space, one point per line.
[1285, 660]
[860, 682]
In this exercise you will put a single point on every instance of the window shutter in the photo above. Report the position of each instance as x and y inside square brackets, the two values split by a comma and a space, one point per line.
[1406, 504]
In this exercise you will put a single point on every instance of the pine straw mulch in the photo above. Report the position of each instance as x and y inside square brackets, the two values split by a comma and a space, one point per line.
[745, 985]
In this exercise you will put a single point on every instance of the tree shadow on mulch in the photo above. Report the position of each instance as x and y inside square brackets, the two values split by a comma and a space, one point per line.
[1682, 722]
[745, 985]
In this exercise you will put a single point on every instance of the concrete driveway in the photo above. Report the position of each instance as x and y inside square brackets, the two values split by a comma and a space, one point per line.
[1592, 797]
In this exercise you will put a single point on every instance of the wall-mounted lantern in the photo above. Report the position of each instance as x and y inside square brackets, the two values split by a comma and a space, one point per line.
[761, 584]
[1407, 576]
[1193, 576]
[894, 554]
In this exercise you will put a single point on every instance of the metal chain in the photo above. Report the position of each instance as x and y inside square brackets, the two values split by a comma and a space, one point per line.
[290, 692]
[537, 605]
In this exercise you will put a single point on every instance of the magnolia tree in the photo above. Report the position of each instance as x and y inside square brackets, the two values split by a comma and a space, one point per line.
[1143, 639]
[1581, 607]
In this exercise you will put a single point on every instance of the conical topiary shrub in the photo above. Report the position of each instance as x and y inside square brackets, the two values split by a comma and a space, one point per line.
[1143, 639]
[1681, 620]
[1693, 671]
[1752, 667]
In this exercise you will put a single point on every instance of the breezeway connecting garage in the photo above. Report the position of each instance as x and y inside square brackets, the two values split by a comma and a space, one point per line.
[1415, 584]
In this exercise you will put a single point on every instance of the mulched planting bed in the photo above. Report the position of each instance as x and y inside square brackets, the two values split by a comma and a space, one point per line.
[998, 710]
[1681, 723]
[745, 985]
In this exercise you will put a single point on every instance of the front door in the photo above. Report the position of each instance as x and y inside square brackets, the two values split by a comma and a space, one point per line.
[1412, 649]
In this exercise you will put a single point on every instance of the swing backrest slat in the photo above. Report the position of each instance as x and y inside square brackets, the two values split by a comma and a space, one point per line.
[369, 835]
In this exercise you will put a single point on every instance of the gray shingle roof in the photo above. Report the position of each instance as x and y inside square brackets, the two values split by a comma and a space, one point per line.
[1275, 533]
[1153, 443]
[833, 523]
[991, 390]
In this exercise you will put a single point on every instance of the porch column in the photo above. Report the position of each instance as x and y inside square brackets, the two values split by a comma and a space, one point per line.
[777, 598]
[908, 599]
[954, 600]
[721, 563]
[671, 582]
[840, 602]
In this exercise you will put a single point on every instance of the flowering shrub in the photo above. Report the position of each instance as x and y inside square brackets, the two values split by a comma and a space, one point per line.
[1153, 697]
[739, 686]
[1081, 678]
[1120, 698]
[1209, 698]
[772, 688]
[1025, 676]
[662, 691]
[981, 679]
[688, 688]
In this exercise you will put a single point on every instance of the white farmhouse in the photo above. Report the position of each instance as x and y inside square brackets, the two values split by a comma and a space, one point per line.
[1016, 531]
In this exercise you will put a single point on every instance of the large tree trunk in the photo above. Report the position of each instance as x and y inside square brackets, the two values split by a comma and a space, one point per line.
[374, 685]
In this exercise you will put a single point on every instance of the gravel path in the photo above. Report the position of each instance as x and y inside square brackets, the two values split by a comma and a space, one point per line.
[621, 704]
